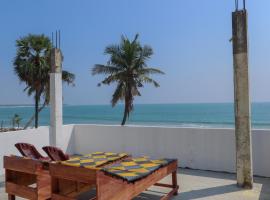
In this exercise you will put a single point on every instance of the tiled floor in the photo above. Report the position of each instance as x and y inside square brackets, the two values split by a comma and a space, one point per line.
[202, 185]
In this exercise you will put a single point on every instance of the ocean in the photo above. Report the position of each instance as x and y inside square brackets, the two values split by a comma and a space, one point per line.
[180, 115]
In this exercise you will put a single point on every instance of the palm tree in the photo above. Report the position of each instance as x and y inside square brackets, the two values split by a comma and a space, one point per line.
[16, 120]
[127, 68]
[32, 66]
[67, 77]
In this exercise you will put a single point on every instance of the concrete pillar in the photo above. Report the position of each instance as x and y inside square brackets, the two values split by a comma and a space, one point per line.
[244, 168]
[56, 107]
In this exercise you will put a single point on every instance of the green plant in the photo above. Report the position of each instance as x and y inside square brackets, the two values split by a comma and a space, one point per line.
[32, 66]
[127, 68]
[16, 120]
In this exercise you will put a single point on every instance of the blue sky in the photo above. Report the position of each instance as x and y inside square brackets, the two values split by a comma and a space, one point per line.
[190, 41]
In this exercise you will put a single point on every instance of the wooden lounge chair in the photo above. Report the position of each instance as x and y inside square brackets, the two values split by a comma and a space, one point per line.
[27, 178]
[73, 177]
[55, 153]
[126, 180]
[30, 151]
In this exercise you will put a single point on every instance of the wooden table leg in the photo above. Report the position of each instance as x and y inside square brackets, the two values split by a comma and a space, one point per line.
[11, 197]
[174, 181]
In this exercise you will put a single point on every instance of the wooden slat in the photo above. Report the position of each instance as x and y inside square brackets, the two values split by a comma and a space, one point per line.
[11, 197]
[20, 178]
[43, 184]
[80, 189]
[163, 185]
[61, 197]
[21, 164]
[66, 187]
[70, 188]
[21, 191]
[83, 175]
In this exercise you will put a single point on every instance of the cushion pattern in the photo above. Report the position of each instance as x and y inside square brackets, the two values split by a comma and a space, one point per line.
[134, 169]
[94, 160]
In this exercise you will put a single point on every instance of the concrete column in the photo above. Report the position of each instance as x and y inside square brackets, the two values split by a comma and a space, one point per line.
[244, 167]
[56, 107]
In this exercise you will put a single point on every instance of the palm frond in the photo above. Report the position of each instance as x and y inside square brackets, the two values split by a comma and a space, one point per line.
[68, 77]
[147, 51]
[110, 79]
[104, 69]
[112, 49]
[135, 38]
[145, 79]
[118, 94]
[148, 70]
[135, 91]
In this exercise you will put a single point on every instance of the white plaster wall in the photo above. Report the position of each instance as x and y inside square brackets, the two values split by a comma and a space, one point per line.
[261, 152]
[207, 149]
[67, 140]
[39, 137]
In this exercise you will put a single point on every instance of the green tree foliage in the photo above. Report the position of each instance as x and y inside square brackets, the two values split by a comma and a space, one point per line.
[32, 66]
[127, 68]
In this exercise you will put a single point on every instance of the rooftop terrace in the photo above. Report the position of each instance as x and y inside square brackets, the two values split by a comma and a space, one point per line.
[211, 150]
[203, 185]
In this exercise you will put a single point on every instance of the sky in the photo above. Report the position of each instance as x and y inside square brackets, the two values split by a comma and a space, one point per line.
[190, 40]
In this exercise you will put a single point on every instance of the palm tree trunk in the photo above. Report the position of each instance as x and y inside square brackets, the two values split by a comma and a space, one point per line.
[36, 108]
[33, 117]
[13, 123]
[125, 114]
[127, 106]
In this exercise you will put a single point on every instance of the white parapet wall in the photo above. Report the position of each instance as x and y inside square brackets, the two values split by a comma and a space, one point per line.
[38, 137]
[197, 148]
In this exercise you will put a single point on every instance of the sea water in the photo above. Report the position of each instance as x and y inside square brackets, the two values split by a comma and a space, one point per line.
[180, 115]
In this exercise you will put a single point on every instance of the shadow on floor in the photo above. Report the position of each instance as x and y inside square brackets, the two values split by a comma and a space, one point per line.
[218, 175]
[265, 190]
[144, 196]
[207, 192]
[210, 174]
[264, 182]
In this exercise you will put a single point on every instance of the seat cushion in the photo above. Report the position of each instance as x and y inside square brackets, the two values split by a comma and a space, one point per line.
[94, 160]
[134, 169]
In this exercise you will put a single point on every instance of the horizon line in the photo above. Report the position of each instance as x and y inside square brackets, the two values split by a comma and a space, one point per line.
[67, 104]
